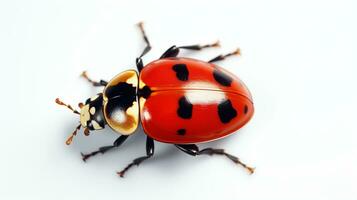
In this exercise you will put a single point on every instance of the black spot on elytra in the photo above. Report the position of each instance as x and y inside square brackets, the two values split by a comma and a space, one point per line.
[222, 78]
[145, 92]
[185, 108]
[181, 71]
[245, 109]
[181, 131]
[226, 112]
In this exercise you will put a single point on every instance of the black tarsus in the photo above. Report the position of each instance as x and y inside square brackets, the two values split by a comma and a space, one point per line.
[174, 50]
[193, 150]
[222, 57]
[149, 152]
[104, 149]
[139, 61]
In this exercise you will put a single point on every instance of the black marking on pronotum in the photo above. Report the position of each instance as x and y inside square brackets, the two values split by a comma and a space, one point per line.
[222, 78]
[226, 111]
[181, 131]
[185, 108]
[245, 109]
[120, 97]
[119, 90]
[181, 71]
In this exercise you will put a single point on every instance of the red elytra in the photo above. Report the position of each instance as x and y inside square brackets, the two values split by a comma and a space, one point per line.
[205, 92]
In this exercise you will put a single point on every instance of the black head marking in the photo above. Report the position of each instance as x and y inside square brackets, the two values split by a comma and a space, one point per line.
[181, 131]
[226, 111]
[245, 109]
[222, 78]
[90, 125]
[98, 105]
[181, 71]
[185, 108]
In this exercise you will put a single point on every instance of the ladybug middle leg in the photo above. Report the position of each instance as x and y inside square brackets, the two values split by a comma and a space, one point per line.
[193, 150]
[104, 149]
[222, 57]
[174, 50]
[94, 83]
[149, 152]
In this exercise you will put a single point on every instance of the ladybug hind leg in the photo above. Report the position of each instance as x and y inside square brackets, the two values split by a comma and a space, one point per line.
[149, 153]
[174, 50]
[193, 150]
[104, 149]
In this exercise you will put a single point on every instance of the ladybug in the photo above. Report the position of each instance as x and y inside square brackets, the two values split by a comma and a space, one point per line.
[180, 101]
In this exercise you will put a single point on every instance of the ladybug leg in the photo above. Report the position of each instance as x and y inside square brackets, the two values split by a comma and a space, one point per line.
[174, 50]
[198, 47]
[222, 57]
[193, 150]
[171, 52]
[137, 161]
[94, 83]
[139, 61]
[104, 149]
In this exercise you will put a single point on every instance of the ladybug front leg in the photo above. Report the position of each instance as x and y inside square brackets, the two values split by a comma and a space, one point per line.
[104, 149]
[149, 152]
[139, 61]
[193, 150]
[174, 50]
[94, 83]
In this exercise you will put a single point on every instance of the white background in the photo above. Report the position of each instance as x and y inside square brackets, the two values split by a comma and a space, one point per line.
[298, 59]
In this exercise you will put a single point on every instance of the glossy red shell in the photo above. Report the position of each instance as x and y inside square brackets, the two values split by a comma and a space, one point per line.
[206, 95]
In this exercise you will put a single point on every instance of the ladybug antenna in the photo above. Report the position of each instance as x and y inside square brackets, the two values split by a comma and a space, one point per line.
[70, 138]
[59, 102]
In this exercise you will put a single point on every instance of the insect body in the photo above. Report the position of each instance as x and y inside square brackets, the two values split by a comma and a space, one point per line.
[181, 101]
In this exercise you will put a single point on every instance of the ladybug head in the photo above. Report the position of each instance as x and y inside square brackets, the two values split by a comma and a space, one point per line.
[91, 115]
